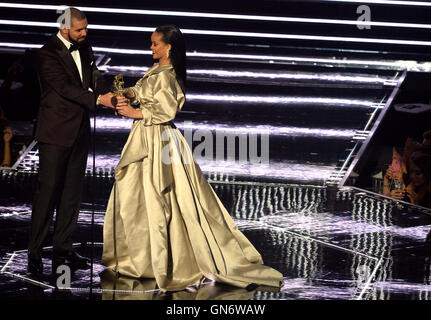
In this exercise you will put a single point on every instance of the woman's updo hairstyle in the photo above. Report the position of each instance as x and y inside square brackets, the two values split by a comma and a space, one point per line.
[172, 35]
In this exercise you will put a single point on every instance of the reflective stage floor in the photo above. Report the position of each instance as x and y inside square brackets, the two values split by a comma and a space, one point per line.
[329, 243]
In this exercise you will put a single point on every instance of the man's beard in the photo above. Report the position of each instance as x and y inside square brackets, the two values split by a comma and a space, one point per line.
[73, 41]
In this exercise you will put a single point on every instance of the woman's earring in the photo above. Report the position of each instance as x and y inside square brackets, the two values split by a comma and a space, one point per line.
[168, 53]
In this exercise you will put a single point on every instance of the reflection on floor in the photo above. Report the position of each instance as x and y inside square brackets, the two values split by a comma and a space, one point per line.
[328, 243]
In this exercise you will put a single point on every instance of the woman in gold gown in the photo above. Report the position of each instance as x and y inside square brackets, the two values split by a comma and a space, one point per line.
[163, 219]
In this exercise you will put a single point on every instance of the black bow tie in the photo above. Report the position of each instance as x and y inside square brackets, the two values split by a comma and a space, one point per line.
[74, 47]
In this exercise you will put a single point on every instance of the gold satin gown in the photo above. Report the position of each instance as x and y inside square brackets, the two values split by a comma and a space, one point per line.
[163, 219]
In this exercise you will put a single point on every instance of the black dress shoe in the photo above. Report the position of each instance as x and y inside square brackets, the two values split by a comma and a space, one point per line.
[69, 258]
[34, 266]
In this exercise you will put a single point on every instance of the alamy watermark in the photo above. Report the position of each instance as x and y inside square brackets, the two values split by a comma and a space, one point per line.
[220, 144]
[65, 277]
[65, 19]
[365, 16]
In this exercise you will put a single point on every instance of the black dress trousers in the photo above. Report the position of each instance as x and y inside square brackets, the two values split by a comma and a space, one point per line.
[60, 186]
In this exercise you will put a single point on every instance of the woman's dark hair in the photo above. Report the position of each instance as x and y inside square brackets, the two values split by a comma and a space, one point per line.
[423, 161]
[172, 35]
[426, 143]
[410, 147]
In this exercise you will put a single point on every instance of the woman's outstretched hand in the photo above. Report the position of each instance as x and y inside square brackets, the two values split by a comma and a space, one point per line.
[108, 99]
[114, 102]
[128, 111]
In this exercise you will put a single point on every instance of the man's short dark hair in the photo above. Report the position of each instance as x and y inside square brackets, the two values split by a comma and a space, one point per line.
[77, 14]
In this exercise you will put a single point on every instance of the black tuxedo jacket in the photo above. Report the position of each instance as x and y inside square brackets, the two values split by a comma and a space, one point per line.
[65, 101]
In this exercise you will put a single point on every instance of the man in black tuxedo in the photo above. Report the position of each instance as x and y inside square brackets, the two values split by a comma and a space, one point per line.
[66, 71]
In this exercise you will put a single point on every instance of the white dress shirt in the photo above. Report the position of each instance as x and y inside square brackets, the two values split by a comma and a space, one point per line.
[75, 54]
